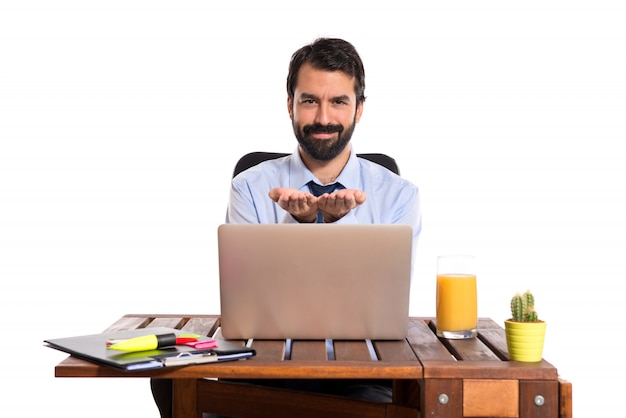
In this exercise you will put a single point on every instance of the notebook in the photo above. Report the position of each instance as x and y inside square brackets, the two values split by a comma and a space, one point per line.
[314, 281]
[93, 348]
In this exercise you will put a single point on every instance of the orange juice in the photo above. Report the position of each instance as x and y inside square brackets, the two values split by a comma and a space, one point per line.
[456, 303]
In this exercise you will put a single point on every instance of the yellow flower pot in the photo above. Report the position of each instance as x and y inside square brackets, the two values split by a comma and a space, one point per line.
[524, 340]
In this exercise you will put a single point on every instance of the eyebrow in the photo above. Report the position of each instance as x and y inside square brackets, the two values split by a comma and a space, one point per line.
[343, 97]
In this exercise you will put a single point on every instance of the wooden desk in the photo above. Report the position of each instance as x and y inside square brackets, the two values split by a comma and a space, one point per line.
[432, 377]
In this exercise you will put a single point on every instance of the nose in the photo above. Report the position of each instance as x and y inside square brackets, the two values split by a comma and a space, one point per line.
[322, 116]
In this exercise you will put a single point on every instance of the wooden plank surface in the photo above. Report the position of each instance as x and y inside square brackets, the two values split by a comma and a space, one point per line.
[269, 350]
[424, 343]
[489, 370]
[353, 350]
[129, 322]
[436, 365]
[308, 351]
[253, 369]
[480, 358]
[394, 350]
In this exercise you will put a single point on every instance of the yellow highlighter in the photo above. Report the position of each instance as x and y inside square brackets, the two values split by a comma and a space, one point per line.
[148, 342]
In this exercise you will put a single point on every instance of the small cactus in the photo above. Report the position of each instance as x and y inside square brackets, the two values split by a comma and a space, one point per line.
[523, 307]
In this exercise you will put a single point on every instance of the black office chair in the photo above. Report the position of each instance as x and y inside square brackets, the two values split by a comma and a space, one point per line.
[253, 158]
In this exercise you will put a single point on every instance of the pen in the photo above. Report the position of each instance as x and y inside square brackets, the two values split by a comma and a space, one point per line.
[149, 342]
[185, 359]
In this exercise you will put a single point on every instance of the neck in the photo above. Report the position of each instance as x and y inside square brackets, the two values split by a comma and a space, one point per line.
[326, 171]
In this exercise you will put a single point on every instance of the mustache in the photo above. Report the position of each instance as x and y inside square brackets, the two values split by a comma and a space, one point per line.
[318, 128]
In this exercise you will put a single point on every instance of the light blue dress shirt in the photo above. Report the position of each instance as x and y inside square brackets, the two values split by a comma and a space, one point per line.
[391, 199]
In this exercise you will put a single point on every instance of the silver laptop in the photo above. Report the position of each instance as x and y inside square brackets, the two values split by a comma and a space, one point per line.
[314, 281]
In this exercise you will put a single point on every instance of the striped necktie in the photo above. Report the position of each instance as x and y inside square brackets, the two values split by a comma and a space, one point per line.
[317, 190]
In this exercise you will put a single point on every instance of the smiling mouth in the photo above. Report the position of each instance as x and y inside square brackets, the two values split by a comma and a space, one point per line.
[323, 135]
[323, 130]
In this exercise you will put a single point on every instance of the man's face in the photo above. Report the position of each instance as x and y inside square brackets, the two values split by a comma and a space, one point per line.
[323, 112]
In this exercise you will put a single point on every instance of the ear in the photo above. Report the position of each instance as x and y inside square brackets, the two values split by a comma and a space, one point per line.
[359, 112]
[290, 108]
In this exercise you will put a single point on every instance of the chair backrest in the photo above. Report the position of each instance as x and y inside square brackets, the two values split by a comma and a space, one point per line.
[253, 158]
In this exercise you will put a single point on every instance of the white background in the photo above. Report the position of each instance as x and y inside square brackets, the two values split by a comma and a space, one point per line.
[121, 121]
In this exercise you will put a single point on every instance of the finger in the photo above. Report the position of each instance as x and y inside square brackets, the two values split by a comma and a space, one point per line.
[323, 201]
[301, 202]
[274, 194]
[360, 197]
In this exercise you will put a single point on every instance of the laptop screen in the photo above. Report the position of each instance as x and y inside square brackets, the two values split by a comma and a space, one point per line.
[314, 281]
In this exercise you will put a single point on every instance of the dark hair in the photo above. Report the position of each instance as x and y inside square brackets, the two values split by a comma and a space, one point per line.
[329, 54]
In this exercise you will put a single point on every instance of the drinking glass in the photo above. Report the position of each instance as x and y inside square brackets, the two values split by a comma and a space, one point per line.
[457, 312]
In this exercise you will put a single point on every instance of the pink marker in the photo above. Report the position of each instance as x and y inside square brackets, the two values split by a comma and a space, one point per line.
[202, 344]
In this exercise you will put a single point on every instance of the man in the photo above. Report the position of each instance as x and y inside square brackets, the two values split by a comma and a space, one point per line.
[326, 94]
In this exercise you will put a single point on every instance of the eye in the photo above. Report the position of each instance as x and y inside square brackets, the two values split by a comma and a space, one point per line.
[341, 101]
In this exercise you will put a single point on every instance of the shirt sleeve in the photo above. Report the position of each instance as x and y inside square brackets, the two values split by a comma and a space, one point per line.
[249, 200]
[241, 207]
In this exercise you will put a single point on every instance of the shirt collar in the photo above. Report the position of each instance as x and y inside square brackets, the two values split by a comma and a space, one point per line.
[300, 175]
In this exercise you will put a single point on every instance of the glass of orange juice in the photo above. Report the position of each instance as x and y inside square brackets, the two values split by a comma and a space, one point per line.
[457, 311]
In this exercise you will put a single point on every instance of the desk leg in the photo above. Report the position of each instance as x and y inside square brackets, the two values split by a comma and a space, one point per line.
[442, 398]
[565, 398]
[184, 398]
[539, 399]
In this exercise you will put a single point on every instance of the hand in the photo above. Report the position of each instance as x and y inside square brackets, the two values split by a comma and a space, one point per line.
[336, 205]
[301, 205]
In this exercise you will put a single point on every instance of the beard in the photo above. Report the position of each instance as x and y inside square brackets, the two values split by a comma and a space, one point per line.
[323, 149]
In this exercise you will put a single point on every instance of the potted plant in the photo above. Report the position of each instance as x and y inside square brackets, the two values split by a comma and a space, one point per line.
[524, 331]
